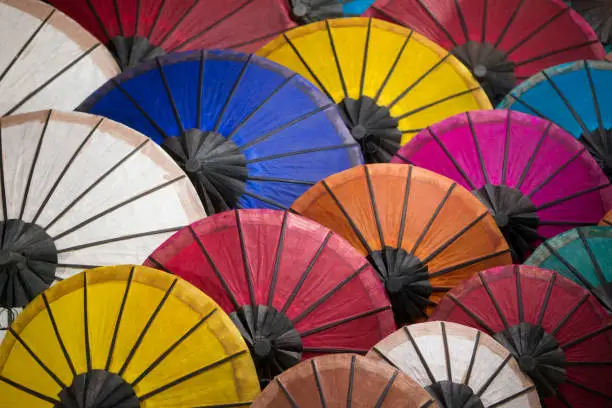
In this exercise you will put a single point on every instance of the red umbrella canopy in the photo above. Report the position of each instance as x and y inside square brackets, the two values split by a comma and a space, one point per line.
[503, 42]
[293, 288]
[555, 329]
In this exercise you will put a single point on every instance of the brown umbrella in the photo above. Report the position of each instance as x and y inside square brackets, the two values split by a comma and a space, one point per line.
[606, 221]
[343, 380]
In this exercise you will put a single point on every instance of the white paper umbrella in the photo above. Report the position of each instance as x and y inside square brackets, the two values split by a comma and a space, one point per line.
[458, 365]
[47, 60]
[79, 191]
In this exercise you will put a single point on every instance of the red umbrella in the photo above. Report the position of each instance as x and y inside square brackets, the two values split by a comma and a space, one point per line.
[555, 329]
[293, 288]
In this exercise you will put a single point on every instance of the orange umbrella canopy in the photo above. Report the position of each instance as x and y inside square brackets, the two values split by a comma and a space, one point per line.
[423, 232]
[606, 221]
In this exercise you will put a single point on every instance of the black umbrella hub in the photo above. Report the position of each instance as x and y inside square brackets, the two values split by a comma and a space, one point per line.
[454, 395]
[309, 11]
[98, 389]
[599, 144]
[131, 51]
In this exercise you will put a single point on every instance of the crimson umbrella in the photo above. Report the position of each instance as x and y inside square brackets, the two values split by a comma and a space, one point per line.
[502, 42]
[554, 328]
[293, 288]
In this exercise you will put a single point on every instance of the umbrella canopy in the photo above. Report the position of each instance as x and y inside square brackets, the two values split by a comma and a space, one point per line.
[339, 380]
[584, 255]
[458, 365]
[554, 328]
[422, 232]
[294, 288]
[248, 132]
[46, 59]
[606, 221]
[502, 42]
[576, 97]
[389, 82]
[79, 191]
[125, 336]
[536, 180]
[598, 13]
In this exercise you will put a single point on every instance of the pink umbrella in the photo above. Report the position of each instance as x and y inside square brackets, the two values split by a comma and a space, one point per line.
[536, 179]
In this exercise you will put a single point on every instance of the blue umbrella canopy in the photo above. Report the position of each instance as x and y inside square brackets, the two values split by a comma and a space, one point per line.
[575, 96]
[249, 133]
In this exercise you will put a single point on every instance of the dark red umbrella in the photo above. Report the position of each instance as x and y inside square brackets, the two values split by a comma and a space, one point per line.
[555, 329]
[293, 288]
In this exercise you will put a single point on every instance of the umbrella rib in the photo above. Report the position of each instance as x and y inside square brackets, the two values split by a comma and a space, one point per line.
[286, 393]
[539, 28]
[300, 152]
[596, 267]
[118, 15]
[570, 223]
[158, 265]
[86, 330]
[280, 180]
[203, 55]
[170, 349]
[118, 239]
[222, 280]
[26, 192]
[374, 207]
[447, 359]
[74, 266]
[467, 263]
[433, 218]
[494, 375]
[178, 22]
[230, 97]
[533, 156]
[343, 321]
[393, 67]
[472, 314]
[564, 199]
[591, 390]
[508, 24]
[336, 59]
[556, 172]
[351, 383]
[586, 336]
[481, 159]
[555, 52]
[111, 349]
[315, 372]
[58, 335]
[384, 357]
[30, 391]
[53, 78]
[386, 390]
[365, 58]
[2, 182]
[428, 404]
[265, 200]
[506, 148]
[137, 22]
[175, 111]
[277, 258]
[485, 13]
[400, 235]
[513, 397]
[190, 375]
[587, 68]
[570, 314]
[463, 23]
[231, 405]
[417, 130]
[117, 206]
[98, 19]
[64, 170]
[451, 158]
[306, 272]
[403, 158]
[468, 373]
[432, 379]
[157, 16]
[501, 315]
[528, 106]
[246, 265]
[437, 102]
[437, 22]
[549, 288]
[519, 294]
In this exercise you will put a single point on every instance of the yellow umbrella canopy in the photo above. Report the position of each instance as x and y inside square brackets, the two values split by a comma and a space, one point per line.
[389, 82]
[125, 336]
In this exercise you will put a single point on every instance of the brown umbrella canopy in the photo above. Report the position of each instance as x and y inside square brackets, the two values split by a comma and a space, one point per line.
[343, 380]
[606, 221]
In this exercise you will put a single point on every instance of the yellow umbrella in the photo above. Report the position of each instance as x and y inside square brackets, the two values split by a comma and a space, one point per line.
[124, 336]
[388, 81]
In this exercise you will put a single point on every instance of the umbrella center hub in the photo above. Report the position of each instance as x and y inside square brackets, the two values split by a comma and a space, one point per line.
[98, 389]
[538, 354]
[262, 348]
[214, 164]
[454, 395]
[373, 128]
[308, 11]
[406, 280]
[599, 144]
[480, 71]
[131, 51]
[515, 215]
[28, 259]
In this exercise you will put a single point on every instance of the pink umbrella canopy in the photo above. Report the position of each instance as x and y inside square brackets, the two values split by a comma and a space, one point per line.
[536, 179]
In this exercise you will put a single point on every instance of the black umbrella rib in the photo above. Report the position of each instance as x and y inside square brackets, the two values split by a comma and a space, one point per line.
[280, 180]
[219, 275]
[513, 397]
[232, 93]
[366, 50]
[555, 52]
[96, 15]
[336, 59]
[467, 263]
[428, 404]
[286, 393]
[556, 172]
[178, 22]
[589, 389]
[162, 75]
[587, 336]
[506, 148]
[433, 218]
[315, 372]
[564, 199]
[158, 265]
[203, 55]
[343, 321]
[277, 258]
[485, 15]
[230, 405]
[501, 315]
[447, 358]
[481, 160]
[403, 158]
[118, 239]
[306, 273]
[29, 391]
[386, 390]
[437, 22]
[26, 192]
[157, 17]
[191, 375]
[596, 267]
[535, 32]
[468, 373]
[374, 207]
[117, 206]
[400, 235]
[549, 289]
[596, 106]
[437, 102]
[494, 375]
[432, 379]
[53, 78]
[246, 265]
[64, 170]
[351, 383]
[519, 294]
[573, 310]
[532, 158]
[118, 16]
[393, 66]
[384, 357]
[58, 336]
[508, 24]
[74, 266]
[570, 223]
[86, 332]
[146, 328]
[306, 151]
[170, 349]
[113, 343]
[471, 313]
[528, 106]
[2, 182]
[463, 23]
[451, 158]
[265, 200]
[387, 16]
[417, 130]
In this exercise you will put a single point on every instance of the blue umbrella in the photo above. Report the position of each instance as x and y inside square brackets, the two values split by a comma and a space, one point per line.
[576, 96]
[249, 133]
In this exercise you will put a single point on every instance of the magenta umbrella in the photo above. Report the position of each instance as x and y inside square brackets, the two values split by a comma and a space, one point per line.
[536, 179]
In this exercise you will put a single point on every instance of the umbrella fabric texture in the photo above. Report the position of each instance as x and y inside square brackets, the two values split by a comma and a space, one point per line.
[125, 336]
[583, 255]
[554, 328]
[422, 232]
[458, 365]
[576, 97]
[248, 132]
[80, 191]
[536, 180]
[598, 14]
[343, 380]
[46, 59]
[293, 288]
[389, 82]
[502, 42]
[606, 221]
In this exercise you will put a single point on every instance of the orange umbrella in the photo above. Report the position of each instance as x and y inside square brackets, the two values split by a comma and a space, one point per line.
[423, 232]
[606, 221]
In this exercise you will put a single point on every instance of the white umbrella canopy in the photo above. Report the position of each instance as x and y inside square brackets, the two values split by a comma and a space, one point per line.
[459, 366]
[47, 60]
[80, 191]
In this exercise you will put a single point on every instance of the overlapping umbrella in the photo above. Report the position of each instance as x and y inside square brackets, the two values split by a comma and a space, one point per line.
[422, 232]
[46, 59]
[101, 339]
[599, 14]
[502, 42]
[389, 82]
[343, 380]
[554, 328]
[79, 191]
[248, 132]
[536, 180]
[576, 97]
[583, 255]
[294, 288]
[458, 365]
[606, 221]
